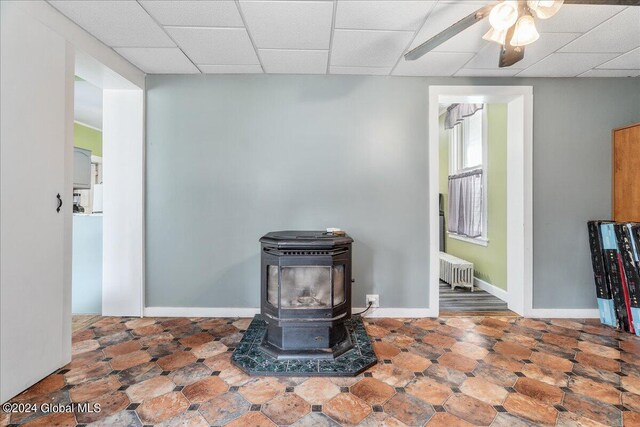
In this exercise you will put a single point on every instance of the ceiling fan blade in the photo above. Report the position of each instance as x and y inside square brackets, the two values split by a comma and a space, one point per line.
[509, 55]
[605, 2]
[453, 30]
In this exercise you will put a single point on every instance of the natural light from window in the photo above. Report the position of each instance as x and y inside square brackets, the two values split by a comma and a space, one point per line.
[472, 141]
[467, 174]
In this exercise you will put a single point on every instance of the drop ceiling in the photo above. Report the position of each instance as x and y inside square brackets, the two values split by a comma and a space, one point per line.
[351, 37]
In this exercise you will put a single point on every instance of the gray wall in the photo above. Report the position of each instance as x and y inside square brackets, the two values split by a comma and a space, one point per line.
[572, 123]
[232, 157]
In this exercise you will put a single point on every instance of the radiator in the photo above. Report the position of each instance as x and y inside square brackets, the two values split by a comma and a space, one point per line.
[456, 271]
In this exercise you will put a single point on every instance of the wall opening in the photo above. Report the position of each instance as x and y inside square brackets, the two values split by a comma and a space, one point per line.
[518, 102]
[111, 225]
[473, 207]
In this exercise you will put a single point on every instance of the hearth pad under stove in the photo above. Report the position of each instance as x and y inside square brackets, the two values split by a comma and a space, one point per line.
[252, 359]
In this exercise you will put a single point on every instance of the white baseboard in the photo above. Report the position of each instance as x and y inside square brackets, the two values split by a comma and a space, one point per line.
[200, 312]
[543, 313]
[395, 312]
[564, 313]
[250, 312]
[493, 290]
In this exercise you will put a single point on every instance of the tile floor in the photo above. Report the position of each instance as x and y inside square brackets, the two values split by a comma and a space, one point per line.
[83, 321]
[454, 371]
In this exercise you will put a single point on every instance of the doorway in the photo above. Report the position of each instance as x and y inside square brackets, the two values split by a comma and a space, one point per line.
[472, 228]
[108, 194]
[517, 101]
[86, 277]
[117, 201]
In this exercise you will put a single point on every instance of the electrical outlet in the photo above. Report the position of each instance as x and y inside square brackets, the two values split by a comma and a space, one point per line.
[374, 300]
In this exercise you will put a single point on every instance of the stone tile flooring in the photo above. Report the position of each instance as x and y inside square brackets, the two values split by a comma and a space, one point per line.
[83, 321]
[456, 371]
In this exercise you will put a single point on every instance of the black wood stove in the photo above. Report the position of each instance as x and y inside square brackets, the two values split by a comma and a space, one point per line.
[306, 294]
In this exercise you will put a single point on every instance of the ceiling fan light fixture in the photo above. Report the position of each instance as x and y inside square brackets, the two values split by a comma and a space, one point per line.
[504, 15]
[525, 32]
[545, 9]
[496, 36]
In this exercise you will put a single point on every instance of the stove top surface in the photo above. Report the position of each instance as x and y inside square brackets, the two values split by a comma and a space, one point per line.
[297, 238]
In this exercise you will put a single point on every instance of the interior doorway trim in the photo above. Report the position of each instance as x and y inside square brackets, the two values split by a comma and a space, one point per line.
[519, 100]
[123, 220]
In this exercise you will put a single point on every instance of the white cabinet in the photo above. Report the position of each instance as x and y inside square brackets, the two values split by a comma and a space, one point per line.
[81, 168]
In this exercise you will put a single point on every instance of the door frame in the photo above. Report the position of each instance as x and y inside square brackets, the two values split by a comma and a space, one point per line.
[519, 100]
[123, 222]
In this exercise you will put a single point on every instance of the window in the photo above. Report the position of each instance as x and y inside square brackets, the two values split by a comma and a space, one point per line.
[467, 179]
[466, 141]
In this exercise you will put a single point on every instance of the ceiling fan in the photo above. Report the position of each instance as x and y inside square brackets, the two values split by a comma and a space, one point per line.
[512, 25]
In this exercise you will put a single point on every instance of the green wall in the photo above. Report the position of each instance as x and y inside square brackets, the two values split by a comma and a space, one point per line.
[88, 138]
[490, 262]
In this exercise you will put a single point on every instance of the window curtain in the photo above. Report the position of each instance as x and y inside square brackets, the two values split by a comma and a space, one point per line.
[457, 112]
[465, 203]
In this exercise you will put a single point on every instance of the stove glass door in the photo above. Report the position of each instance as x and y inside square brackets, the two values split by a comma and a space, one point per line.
[306, 286]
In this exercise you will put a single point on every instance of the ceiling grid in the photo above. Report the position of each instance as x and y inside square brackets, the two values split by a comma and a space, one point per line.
[367, 37]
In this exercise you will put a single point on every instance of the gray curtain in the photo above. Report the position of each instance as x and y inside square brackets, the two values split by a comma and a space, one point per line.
[466, 203]
[457, 112]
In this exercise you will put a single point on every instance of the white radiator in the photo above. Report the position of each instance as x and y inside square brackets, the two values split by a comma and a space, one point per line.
[456, 271]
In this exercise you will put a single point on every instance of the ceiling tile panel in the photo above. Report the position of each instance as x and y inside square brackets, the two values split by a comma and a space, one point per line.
[487, 72]
[231, 69]
[289, 24]
[382, 15]
[548, 43]
[627, 61]
[362, 48]
[206, 13]
[215, 46]
[610, 73]
[488, 56]
[544, 46]
[442, 17]
[373, 71]
[577, 18]
[294, 61]
[115, 23]
[566, 64]
[618, 34]
[433, 64]
[158, 60]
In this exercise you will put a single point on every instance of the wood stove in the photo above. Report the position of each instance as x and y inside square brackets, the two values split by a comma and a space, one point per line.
[306, 294]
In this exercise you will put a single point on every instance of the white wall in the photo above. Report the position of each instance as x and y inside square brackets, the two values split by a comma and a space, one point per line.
[123, 202]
